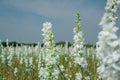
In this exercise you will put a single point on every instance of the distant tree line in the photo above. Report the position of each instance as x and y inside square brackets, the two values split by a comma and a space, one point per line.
[14, 44]
[60, 43]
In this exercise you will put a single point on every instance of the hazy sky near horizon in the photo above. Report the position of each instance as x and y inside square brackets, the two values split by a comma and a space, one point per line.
[21, 20]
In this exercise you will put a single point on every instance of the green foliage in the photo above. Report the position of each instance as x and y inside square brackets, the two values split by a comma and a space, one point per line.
[77, 21]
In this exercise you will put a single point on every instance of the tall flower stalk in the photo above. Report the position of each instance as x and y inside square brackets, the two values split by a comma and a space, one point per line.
[108, 46]
[78, 50]
[49, 66]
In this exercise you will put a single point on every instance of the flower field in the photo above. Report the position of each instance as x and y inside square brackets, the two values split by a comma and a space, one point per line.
[76, 62]
[33, 63]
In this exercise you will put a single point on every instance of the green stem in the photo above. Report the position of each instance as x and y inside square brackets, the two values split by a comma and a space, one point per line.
[62, 74]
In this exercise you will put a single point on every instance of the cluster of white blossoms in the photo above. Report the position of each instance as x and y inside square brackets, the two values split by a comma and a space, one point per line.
[78, 48]
[49, 44]
[50, 56]
[47, 34]
[110, 14]
[108, 46]
[15, 71]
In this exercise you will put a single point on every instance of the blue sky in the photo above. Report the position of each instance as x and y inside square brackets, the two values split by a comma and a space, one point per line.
[21, 20]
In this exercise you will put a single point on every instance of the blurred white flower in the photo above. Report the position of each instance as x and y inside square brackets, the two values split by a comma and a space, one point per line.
[81, 61]
[108, 46]
[43, 74]
[15, 71]
[3, 58]
[78, 76]
[118, 1]
[87, 78]
[62, 67]
[21, 60]
[26, 62]
[9, 59]
[30, 61]
[55, 74]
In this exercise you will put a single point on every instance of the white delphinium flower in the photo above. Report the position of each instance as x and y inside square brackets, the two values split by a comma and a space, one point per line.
[10, 56]
[50, 56]
[37, 48]
[39, 63]
[70, 64]
[30, 61]
[68, 76]
[78, 76]
[15, 71]
[50, 61]
[118, 1]
[21, 60]
[43, 74]
[25, 49]
[30, 49]
[78, 50]
[108, 46]
[87, 78]
[17, 51]
[26, 62]
[3, 58]
[9, 59]
[26, 65]
[48, 41]
[62, 67]
[3, 55]
[55, 74]
[81, 61]
[66, 58]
